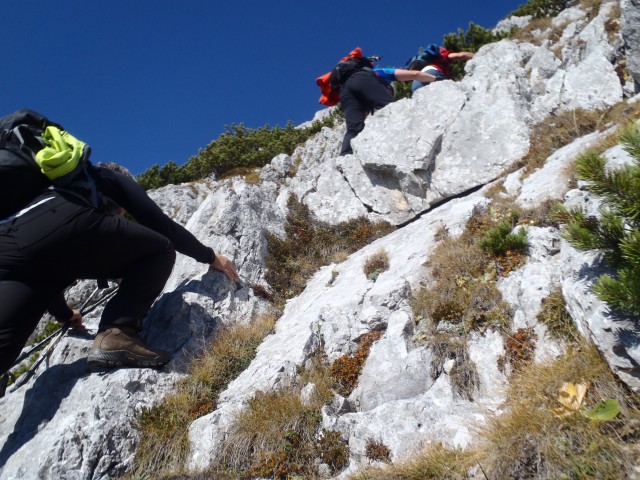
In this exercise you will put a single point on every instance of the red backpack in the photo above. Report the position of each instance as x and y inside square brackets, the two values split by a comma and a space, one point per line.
[331, 82]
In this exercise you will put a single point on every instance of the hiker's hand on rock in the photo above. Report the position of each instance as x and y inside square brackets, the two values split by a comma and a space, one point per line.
[75, 322]
[224, 265]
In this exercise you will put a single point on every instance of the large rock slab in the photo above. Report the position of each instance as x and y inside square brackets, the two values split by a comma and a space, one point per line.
[338, 306]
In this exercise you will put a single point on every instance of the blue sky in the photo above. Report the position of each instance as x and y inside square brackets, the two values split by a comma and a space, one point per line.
[146, 82]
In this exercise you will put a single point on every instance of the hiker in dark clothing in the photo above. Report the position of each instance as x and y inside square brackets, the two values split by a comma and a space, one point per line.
[367, 90]
[58, 238]
[362, 93]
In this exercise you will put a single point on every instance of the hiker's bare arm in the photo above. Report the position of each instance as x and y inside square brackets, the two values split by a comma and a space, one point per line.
[460, 56]
[224, 265]
[407, 75]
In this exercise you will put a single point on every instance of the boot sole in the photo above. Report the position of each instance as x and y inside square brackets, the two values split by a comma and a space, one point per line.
[116, 358]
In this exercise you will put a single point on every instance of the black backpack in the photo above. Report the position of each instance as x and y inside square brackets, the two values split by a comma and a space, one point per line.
[21, 179]
[424, 57]
[343, 70]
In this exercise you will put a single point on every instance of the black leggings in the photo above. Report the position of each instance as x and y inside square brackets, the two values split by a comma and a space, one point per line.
[362, 93]
[46, 249]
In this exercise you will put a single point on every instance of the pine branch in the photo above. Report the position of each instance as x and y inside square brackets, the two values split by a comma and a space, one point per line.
[630, 139]
[622, 294]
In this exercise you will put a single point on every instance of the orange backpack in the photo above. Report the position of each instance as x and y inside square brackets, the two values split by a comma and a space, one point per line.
[330, 87]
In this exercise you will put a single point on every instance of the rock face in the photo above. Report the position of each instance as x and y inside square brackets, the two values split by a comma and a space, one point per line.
[631, 34]
[421, 164]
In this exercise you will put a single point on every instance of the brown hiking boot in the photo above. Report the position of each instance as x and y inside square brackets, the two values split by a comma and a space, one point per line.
[120, 346]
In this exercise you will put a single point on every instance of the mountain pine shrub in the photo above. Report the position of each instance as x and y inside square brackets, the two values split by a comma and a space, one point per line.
[469, 41]
[238, 147]
[540, 8]
[616, 232]
[500, 239]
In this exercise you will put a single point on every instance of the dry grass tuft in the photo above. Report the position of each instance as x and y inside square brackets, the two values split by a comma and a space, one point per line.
[592, 7]
[250, 174]
[163, 428]
[310, 244]
[613, 25]
[376, 264]
[464, 374]
[563, 128]
[463, 291]
[556, 132]
[534, 31]
[377, 451]
[436, 462]
[529, 441]
[346, 369]
[276, 436]
[555, 316]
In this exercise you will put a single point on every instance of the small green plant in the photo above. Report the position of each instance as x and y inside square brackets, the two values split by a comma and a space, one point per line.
[376, 264]
[401, 90]
[616, 232]
[377, 451]
[346, 369]
[499, 240]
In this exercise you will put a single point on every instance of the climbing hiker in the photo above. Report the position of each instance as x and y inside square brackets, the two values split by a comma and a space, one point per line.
[363, 89]
[436, 61]
[64, 233]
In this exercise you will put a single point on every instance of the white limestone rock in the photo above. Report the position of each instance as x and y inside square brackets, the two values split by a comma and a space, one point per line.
[450, 139]
[492, 130]
[180, 201]
[631, 34]
[335, 314]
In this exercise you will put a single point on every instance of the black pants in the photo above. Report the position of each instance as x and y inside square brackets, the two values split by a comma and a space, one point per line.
[362, 93]
[46, 249]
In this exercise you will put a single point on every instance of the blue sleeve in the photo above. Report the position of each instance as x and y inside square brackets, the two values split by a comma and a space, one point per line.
[387, 74]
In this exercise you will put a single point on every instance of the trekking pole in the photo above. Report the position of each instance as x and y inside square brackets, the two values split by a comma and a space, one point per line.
[61, 333]
[29, 373]
[42, 343]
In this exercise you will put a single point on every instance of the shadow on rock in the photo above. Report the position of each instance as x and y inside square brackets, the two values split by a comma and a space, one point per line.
[41, 402]
[183, 327]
